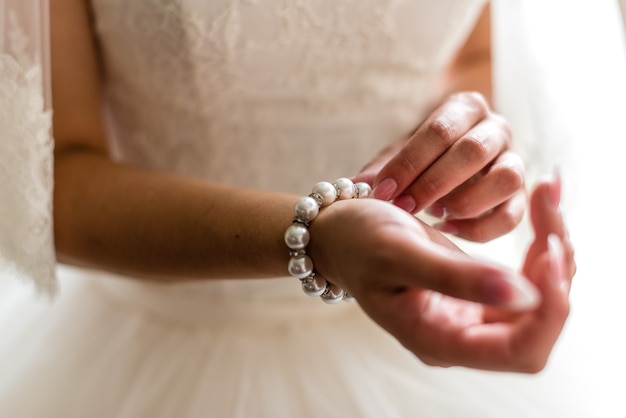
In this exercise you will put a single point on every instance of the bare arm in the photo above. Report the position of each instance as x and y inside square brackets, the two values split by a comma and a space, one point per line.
[140, 222]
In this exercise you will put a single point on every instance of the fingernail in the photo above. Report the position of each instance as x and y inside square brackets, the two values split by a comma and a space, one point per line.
[555, 189]
[511, 292]
[447, 227]
[405, 202]
[555, 251]
[437, 210]
[385, 189]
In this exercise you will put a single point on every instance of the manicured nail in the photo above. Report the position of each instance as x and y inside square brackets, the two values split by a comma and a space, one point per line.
[447, 227]
[405, 202]
[385, 189]
[555, 251]
[511, 292]
[437, 210]
[555, 189]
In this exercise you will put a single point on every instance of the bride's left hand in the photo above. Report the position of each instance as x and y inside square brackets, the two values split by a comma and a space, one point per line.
[446, 331]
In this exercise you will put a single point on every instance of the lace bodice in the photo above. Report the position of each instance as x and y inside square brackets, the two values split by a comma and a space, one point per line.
[268, 94]
[26, 244]
[225, 89]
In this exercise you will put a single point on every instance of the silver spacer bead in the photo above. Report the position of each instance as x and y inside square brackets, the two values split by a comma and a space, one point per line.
[345, 188]
[348, 297]
[333, 294]
[326, 191]
[297, 253]
[318, 199]
[314, 285]
[362, 190]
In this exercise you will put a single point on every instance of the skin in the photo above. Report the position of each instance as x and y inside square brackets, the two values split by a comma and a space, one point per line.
[458, 164]
[420, 300]
[161, 226]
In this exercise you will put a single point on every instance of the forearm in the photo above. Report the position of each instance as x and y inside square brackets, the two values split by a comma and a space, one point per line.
[163, 226]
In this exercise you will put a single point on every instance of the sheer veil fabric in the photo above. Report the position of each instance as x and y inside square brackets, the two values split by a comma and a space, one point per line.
[26, 244]
[560, 79]
[561, 82]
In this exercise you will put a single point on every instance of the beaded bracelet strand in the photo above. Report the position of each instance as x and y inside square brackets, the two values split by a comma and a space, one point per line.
[297, 236]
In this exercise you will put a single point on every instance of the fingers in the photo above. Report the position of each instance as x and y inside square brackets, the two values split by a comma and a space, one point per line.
[487, 206]
[483, 192]
[547, 219]
[521, 343]
[449, 122]
[495, 223]
[469, 155]
[457, 141]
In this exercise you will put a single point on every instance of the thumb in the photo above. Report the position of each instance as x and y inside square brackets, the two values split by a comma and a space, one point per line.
[458, 275]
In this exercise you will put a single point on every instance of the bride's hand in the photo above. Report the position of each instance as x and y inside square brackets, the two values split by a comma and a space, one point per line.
[458, 165]
[444, 306]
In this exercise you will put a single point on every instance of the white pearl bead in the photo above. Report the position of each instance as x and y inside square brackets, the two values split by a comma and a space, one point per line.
[314, 286]
[300, 266]
[345, 188]
[365, 190]
[333, 294]
[306, 209]
[297, 237]
[348, 298]
[327, 191]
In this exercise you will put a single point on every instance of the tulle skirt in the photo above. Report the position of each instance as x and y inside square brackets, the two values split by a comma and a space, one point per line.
[110, 347]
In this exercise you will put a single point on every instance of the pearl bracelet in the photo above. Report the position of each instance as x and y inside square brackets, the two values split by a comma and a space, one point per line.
[297, 235]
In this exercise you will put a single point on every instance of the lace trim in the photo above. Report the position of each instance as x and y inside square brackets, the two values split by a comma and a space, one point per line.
[26, 232]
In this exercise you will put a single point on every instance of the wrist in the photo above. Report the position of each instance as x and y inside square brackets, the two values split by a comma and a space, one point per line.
[298, 236]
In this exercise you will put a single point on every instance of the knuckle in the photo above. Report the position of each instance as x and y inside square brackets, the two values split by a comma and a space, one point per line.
[480, 235]
[427, 360]
[512, 220]
[430, 186]
[406, 163]
[509, 219]
[524, 360]
[442, 130]
[475, 100]
[474, 146]
[509, 179]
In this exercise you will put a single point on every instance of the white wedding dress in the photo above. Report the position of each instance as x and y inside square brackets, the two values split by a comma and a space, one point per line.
[272, 95]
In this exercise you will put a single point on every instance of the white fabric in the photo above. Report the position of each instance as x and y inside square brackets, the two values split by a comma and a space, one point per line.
[248, 93]
[562, 85]
[26, 244]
